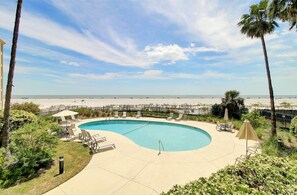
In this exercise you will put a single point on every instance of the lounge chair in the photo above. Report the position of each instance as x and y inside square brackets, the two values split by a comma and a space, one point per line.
[116, 114]
[71, 135]
[219, 126]
[170, 116]
[229, 127]
[84, 136]
[124, 115]
[73, 118]
[180, 116]
[95, 137]
[242, 158]
[95, 146]
[138, 115]
[254, 149]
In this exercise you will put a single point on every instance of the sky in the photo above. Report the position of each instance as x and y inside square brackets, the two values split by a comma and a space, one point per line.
[147, 47]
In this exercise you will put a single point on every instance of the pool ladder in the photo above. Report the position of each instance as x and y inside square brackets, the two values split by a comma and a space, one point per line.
[108, 119]
[161, 146]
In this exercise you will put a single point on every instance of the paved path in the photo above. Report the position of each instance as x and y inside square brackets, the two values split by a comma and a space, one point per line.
[131, 169]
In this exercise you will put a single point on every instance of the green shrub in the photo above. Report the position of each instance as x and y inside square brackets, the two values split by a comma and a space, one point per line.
[258, 175]
[84, 112]
[27, 106]
[18, 118]
[289, 137]
[217, 110]
[233, 103]
[271, 147]
[31, 149]
[293, 126]
[255, 118]
[259, 133]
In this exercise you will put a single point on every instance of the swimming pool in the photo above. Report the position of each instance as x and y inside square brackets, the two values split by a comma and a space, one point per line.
[148, 134]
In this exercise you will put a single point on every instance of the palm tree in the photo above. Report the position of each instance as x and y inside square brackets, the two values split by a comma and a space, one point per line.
[5, 130]
[257, 24]
[286, 10]
[234, 104]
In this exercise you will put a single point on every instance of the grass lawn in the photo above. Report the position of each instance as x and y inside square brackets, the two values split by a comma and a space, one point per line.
[76, 157]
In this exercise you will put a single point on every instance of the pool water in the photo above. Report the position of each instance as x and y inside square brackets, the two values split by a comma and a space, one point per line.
[174, 137]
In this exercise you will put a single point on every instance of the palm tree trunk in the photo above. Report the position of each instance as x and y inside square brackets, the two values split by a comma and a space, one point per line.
[273, 119]
[6, 129]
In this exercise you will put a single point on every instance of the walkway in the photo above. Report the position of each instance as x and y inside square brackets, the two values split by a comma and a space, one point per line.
[131, 169]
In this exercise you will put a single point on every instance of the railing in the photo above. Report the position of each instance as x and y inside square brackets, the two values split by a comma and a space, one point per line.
[160, 144]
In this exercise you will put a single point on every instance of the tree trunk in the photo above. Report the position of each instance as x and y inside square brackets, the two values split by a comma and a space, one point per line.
[6, 128]
[273, 119]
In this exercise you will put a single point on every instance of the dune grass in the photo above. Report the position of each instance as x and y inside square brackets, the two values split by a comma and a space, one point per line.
[76, 157]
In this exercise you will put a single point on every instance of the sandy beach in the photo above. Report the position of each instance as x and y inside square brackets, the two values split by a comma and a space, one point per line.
[96, 102]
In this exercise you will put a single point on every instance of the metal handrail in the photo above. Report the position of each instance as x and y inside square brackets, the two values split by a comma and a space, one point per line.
[160, 144]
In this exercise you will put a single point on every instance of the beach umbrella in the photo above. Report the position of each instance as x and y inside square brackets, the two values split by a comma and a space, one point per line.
[226, 117]
[64, 113]
[247, 132]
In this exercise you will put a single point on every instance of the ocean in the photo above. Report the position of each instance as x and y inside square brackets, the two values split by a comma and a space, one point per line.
[145, 96]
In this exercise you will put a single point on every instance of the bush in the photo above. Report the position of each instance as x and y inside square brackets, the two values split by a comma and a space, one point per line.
[18, 118]
[31, 149]
[258, 175]
[233, 103]
[217, 110]
[255, 118]
[271, 147]
[27, 106]
[293, 125]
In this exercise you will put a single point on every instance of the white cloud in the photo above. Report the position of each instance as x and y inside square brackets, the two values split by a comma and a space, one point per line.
[287, 55]
[105, 76]
[70, 63]
[153, 72]
[213, 22]
[19, 69]
[172, 53]
[205, 75]
[26, 70]
[154, 75]
[40, 28]
[160, 53]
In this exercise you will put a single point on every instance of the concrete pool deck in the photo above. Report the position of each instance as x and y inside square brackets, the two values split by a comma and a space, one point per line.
[131, 169]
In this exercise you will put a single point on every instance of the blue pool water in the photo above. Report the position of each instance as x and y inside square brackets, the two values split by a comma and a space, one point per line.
[174, 137]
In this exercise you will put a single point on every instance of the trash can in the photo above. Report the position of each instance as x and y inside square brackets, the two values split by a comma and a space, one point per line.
[61, 164]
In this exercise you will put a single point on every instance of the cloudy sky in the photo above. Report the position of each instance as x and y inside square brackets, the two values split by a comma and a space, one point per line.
[168, 47]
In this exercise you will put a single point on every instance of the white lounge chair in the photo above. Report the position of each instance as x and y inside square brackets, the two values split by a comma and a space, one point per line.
[220, 126]
[73, 118]
[138, 115]
[229, 127]
[116, 114]
[72, 136]
[95, 146]
[180, 116]
[124, 115]
[170, 116]
[83, 136]
[254, 149]
[242, 158]
[96, 137]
